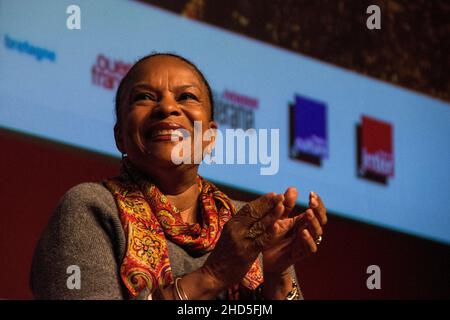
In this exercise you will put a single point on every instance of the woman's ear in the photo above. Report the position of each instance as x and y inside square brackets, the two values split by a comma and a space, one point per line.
[119, 139]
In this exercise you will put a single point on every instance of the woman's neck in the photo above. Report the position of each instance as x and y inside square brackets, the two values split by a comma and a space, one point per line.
[185, 201]
[179, 185]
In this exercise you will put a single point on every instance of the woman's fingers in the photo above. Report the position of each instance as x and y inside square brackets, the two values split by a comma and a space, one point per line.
[290, 197]
[282, 229]
[314, 227]
[267, 220]
[315, 202]
[309, 241]
[304, 246]
[266, 233]
[255, 210]
[265, 223]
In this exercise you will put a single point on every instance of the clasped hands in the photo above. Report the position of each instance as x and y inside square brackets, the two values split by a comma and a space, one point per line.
[267, 225]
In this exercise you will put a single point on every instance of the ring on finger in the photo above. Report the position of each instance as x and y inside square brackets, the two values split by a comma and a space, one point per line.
[319, 240]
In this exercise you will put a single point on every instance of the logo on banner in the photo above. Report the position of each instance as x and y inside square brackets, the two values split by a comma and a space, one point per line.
[107, 72]
[375, 150]
[235, 110]
[308, 130]
[39, 53]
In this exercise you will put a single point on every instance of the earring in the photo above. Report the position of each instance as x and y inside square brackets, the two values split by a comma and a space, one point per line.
[124, 155]
[213, 159]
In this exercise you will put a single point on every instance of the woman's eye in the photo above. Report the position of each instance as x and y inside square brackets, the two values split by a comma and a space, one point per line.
[144, 96]
[187, 96]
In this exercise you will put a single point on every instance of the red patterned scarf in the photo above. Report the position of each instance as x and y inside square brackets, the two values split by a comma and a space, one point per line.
[149, 219]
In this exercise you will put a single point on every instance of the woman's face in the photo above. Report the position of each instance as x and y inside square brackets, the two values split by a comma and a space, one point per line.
[164, 94]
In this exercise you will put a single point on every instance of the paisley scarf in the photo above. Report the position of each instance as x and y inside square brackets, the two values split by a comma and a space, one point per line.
[149, 219]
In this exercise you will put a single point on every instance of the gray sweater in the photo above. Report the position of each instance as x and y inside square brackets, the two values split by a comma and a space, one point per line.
[85, 231]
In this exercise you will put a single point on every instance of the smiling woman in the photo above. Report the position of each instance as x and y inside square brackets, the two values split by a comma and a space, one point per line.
[159, 230]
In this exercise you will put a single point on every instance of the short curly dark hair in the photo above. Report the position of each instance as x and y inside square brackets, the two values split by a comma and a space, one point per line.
[125, 79]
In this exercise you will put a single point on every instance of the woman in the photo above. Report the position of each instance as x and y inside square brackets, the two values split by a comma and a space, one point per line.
[159, 230]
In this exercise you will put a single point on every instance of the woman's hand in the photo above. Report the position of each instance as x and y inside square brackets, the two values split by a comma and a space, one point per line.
[294, 236]
[264, 225]
[243, 237]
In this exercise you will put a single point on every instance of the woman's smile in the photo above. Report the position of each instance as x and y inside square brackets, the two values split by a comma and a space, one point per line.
[164, 131]
[163, 135]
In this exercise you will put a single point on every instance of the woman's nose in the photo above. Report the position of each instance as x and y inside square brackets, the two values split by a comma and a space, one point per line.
[165, 108]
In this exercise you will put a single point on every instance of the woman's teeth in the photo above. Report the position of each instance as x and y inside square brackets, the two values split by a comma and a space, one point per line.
[170, 132]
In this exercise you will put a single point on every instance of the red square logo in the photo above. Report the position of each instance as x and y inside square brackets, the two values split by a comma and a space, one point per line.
[377, 152]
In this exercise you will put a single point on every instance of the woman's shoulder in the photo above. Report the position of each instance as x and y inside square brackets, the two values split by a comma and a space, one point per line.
[88, 195]
[88, 190]
[87, 204]
[84, 231]
[86, 212]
